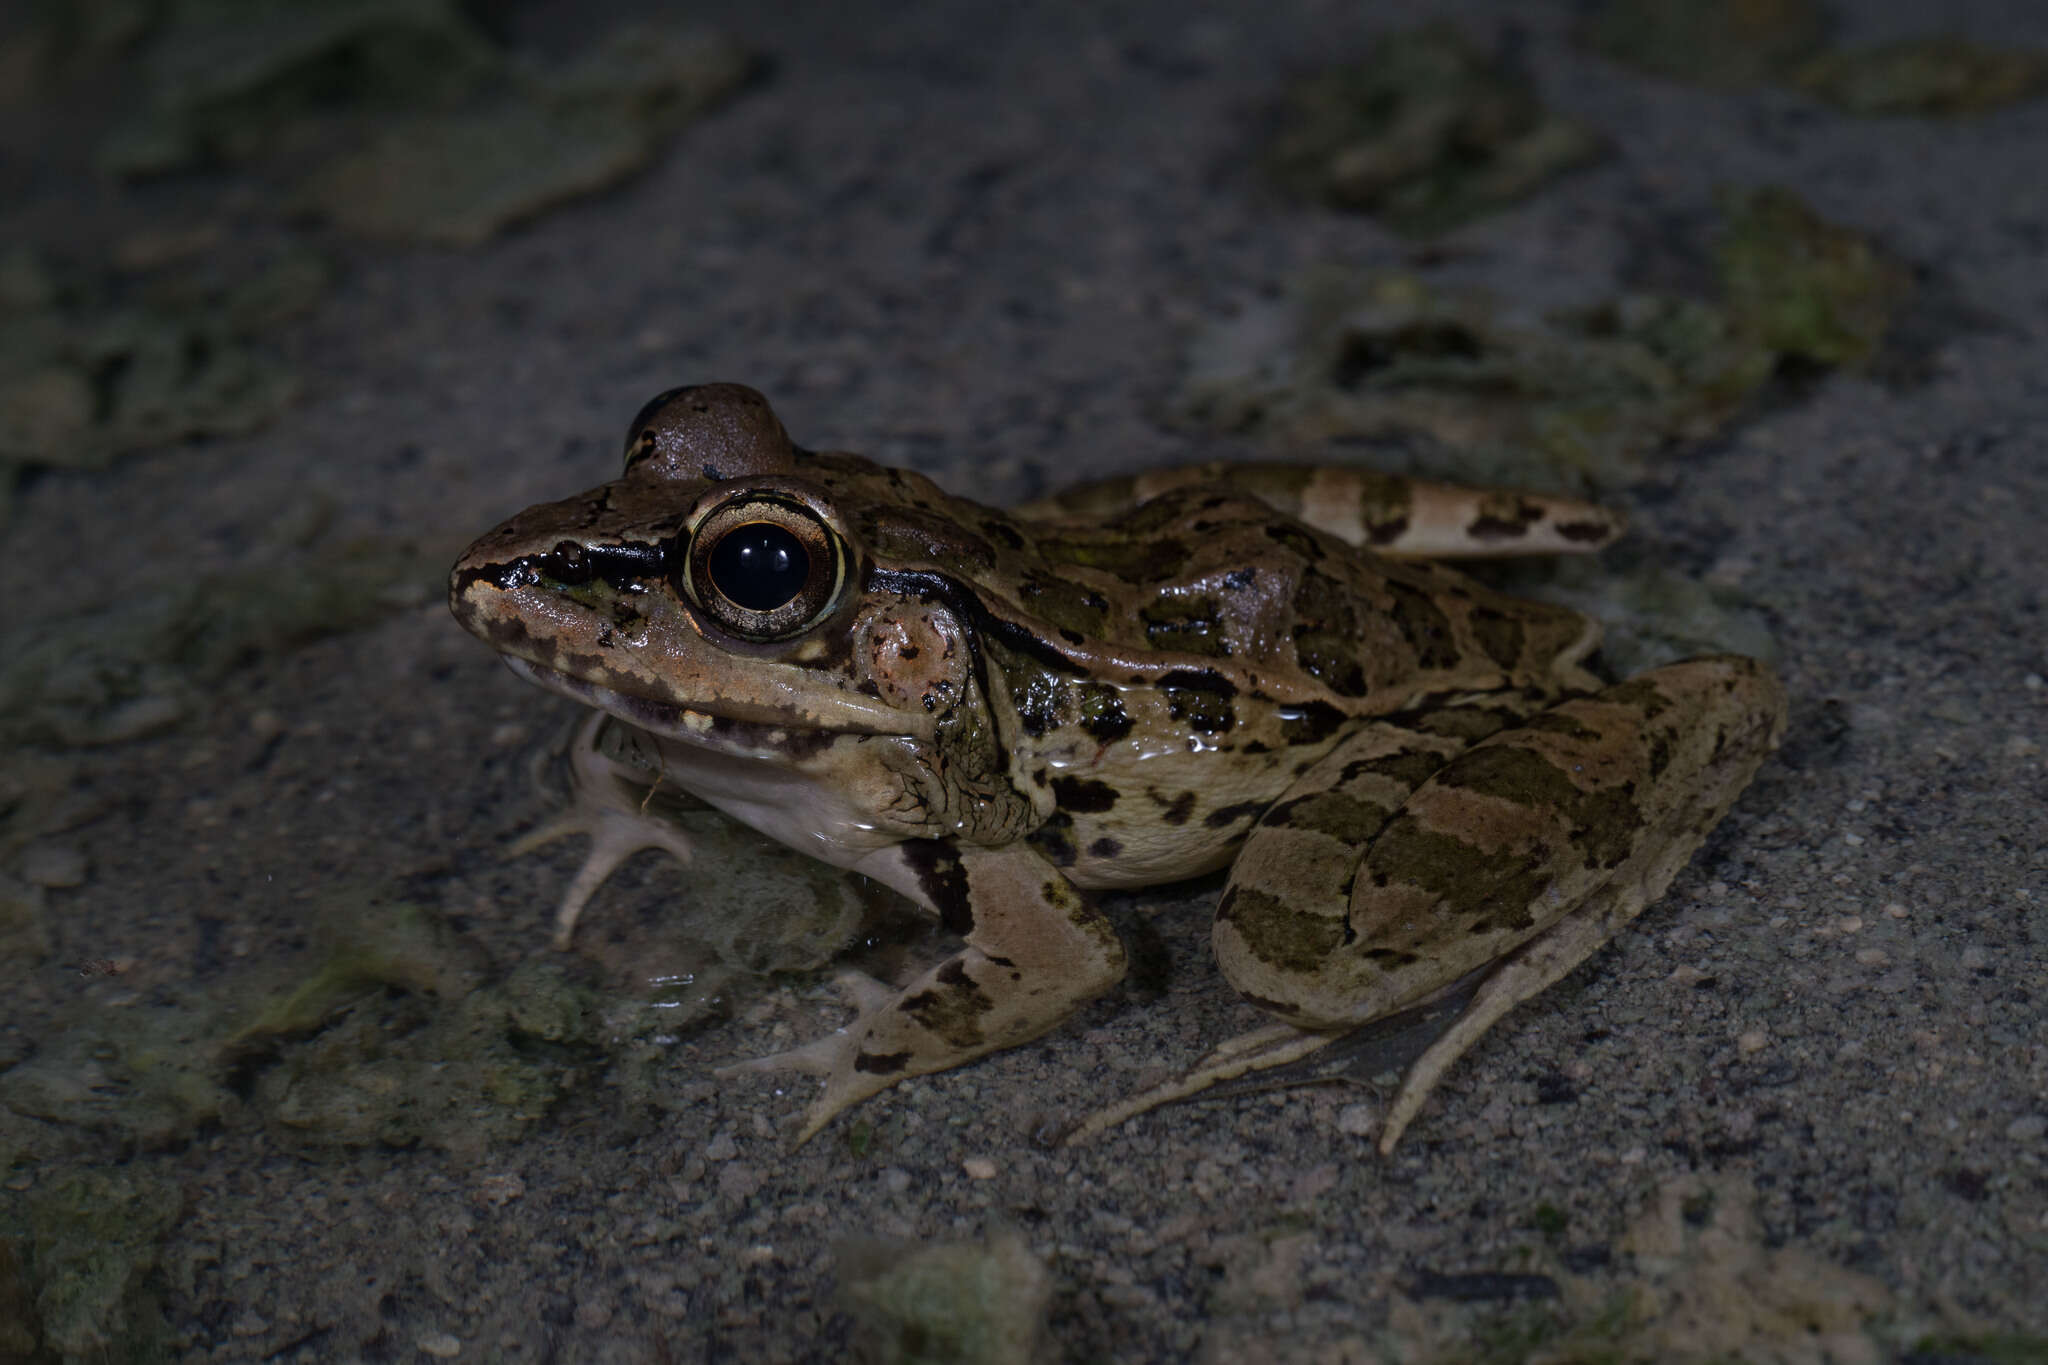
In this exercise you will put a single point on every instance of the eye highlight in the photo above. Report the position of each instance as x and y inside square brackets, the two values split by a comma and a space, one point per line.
[765, 567]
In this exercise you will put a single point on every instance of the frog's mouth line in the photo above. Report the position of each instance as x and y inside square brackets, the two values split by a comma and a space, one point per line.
[701, 726]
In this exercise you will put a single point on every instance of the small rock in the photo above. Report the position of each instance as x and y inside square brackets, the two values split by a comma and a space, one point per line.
[1756, 1040]
[979, 1168]
[896, 1180]
[722, 1148]
[1357, 1120]
[1872, 957]
[54, 865]
[440, 1345]
[2032, 1128]
[248, 1325]
[738, 1181]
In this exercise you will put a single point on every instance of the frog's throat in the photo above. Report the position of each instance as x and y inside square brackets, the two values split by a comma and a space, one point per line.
[713, 725]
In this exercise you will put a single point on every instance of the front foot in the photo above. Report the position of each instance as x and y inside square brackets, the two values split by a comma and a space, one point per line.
[1035, 950]
[610, 802]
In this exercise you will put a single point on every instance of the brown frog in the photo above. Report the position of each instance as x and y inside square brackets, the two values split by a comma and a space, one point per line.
[1411, 778]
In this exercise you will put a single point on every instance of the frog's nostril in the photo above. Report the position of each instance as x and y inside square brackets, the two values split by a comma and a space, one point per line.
[568, 563]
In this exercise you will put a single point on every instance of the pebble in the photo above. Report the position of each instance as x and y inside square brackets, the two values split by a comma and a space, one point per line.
[1895, 911]
[1357, 1120]
[722, 1147]
[53, 865]
[1872, 957]
[979, 1168]
[2032, 1128]
[1756, 1040]
[440, 1345]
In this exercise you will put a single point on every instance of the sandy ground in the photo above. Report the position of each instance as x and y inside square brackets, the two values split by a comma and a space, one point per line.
[973, 243]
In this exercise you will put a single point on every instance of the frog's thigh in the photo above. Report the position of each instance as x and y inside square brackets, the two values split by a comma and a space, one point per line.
[1035, 950]
[1283, 918]
[1510, 837]
[1703, 728]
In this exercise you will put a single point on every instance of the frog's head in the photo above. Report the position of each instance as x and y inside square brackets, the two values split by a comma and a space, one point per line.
[718, 591]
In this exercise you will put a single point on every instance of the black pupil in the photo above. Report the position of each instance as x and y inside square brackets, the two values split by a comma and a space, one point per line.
[759, 566]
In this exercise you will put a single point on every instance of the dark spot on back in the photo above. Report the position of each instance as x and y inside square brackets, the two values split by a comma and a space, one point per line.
[1083, 794]
[1230, 815]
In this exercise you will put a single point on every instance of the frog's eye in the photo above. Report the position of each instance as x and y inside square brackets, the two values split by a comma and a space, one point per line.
[765, 567]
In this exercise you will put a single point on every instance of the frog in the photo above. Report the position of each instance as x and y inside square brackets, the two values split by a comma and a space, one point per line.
[1413, 784]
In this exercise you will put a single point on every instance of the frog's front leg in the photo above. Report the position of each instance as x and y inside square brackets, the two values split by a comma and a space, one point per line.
[1035, 950]
[612, 802]
[1528, 850]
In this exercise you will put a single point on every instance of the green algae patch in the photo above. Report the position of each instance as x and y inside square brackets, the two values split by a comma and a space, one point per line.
[1723, 44]
[395, 1030]
[1806, 288]
[415, 122]
[366, 942]
[82, 1248]
[142, 664]
[1426, 133]
[232, 79]
[94, 364]
[1942, 77]
[1456, 382]
[461, 177]
[402, 1070]
[149, 1077]
[400, 1035]
[1736, 44]
[978, 1303]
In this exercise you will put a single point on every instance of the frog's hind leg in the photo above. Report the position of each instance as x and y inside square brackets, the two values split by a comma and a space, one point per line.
[1525, 852]
[1701, 729]
[1035, 950]
[1390, 514]
[1290, 885]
